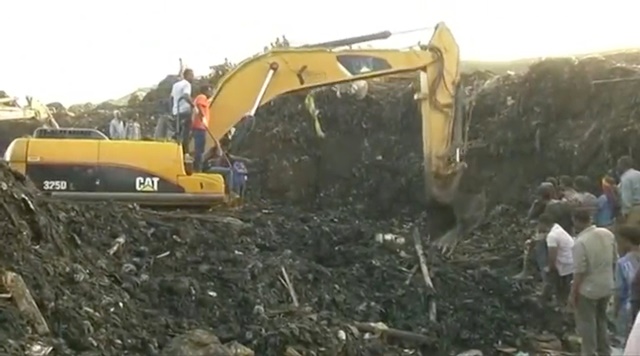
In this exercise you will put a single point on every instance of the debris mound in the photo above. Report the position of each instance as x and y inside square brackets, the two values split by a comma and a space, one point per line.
[279, 277]
[562, 116]
[114, 279]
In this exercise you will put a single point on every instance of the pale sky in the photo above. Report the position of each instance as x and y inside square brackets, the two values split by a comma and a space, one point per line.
[76, 51]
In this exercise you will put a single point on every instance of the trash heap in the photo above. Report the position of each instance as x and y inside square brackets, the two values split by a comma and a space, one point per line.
[110, 280]
[550, 120]
[325, 247]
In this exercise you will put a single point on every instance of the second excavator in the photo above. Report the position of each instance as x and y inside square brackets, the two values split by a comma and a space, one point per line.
[86, 165]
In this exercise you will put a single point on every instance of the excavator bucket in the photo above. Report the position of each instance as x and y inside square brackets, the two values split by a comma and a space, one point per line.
[442, 105]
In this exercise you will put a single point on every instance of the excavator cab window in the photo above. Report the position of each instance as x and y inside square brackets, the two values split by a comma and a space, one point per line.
[69, 133]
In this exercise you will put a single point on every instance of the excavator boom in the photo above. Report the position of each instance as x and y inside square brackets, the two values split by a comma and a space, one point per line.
[264, 77]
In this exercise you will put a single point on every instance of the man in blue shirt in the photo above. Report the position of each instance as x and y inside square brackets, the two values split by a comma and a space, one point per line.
[607, 204]
[628, 239]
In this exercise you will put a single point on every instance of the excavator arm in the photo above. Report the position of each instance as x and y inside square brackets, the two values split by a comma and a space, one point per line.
[264, 77]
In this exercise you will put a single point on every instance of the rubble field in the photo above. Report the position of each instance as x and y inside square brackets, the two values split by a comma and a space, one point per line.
[325, 246]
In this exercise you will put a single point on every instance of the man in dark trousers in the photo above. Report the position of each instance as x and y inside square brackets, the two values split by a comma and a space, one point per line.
[182, 107]
[200, 126]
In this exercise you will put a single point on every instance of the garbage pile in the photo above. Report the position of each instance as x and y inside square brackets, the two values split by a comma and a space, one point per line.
[342, 278]
[111, 279]
[551, 120]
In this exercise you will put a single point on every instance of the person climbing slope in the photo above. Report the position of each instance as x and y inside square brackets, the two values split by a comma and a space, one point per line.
[560, 213]
[560, 257]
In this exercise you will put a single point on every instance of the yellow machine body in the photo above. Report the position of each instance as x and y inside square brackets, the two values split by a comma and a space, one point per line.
[154, 171]
[132, 171]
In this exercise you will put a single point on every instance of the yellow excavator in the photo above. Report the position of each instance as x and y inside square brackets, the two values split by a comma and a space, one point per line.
[84, 164]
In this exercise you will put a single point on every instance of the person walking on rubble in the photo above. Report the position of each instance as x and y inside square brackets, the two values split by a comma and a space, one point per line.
[200, 125]
[629, 191]
[182, 107]
[594, 255]
[560, 257]
[628, 239]
[116, 127]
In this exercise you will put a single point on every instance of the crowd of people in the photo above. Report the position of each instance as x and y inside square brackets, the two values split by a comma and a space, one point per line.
[587, 251]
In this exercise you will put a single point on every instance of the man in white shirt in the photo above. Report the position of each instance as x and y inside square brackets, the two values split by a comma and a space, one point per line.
[182, 107]
[116, 127]
[560, 256]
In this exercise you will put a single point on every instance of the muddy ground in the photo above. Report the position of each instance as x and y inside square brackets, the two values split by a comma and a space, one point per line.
[315, 207]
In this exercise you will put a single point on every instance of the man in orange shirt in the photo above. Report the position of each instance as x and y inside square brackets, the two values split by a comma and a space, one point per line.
[199, 125]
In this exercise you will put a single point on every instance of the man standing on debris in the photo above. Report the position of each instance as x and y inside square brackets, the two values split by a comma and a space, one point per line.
[594, 255]
[116, 127]
[182, 107]
[629, 191]
[200, 125]
[560, 256]
[607, 207]
[628, 239]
